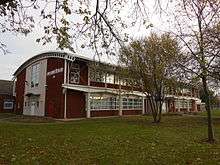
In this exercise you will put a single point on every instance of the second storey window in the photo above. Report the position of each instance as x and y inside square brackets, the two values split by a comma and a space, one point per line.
[74, 75]
[35, 74]
[110, 78]
[97, 76]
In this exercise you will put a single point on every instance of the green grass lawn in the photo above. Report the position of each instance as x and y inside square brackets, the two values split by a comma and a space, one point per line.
[215, 113]
[127, 140]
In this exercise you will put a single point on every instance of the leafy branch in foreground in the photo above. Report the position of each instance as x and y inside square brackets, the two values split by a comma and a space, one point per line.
[97, 24]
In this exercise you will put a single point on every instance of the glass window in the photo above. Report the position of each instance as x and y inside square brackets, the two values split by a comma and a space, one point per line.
[35, 74]
[132, 103]
[125, 82]
[105, 102]
[190, 104]
[8, 104]
[100, 77]
[111, 102]
[110, 78]
[183, 103]
[74, 74]
[117, 80]
[97, 76]
[124, 103]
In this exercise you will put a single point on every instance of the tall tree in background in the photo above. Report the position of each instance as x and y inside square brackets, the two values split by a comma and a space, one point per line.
[150, 63]
[194, 20]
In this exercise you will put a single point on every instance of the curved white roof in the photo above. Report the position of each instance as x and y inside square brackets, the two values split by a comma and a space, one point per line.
[51, 54]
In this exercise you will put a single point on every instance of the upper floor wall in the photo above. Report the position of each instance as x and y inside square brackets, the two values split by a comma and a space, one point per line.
[78, 70]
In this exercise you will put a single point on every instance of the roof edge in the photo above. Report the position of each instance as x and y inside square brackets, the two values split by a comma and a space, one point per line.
[48, 54]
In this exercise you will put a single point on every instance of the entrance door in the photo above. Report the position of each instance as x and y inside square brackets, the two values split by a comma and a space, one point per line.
[33, 108]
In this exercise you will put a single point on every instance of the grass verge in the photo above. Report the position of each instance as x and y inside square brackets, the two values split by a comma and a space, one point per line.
[127, 140]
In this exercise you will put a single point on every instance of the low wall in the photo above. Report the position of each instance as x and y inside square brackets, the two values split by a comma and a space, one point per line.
[104, 113]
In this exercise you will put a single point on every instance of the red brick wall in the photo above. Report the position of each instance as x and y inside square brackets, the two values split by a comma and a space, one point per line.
[126, 87]
[103, 113]
[97, 84]
[115, 86]
[20, 87]
[194, 106]
[54, 103]
[4, 97]
[132, 112]
[183, 109]
[171, 106]
[83, 73]
[75, 104]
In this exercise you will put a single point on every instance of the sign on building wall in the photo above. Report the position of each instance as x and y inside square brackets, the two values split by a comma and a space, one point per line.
[55, 71]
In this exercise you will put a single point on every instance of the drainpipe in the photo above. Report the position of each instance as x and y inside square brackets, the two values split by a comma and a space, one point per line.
[88, 113]
[88, 105]
[66, 81]
[143, 106]
[65, 91]
[120, 99]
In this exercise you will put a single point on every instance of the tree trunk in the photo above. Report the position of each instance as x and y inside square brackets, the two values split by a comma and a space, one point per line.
[160, 112]
[208, 110]
[152, 105]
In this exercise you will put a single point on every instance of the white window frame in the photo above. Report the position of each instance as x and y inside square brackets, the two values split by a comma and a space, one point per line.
[111, 102]
[104, 102]
[35, 75]
[8, 107]
[134, 103]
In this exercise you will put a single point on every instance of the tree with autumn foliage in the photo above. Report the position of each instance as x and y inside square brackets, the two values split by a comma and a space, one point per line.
[151, 63]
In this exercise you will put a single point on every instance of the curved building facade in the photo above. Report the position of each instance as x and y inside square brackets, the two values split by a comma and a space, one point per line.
[62, 85]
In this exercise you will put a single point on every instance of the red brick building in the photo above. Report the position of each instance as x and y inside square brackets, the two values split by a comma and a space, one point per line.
[63, 85]
[6, 96]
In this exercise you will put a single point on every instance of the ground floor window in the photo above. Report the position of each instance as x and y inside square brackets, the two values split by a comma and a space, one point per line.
[183, 103]
[103, 102]
[8, 104]
[111, 102]
[132, 103]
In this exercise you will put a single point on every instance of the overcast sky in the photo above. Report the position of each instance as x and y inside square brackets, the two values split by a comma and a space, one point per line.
[22, 48]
